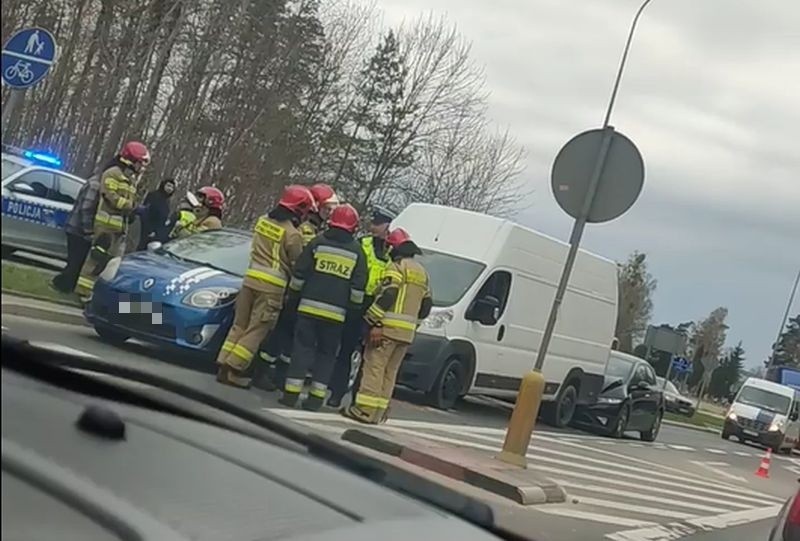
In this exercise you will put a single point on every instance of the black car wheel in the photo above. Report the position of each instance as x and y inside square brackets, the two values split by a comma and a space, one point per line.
[110, 335]
[652, 434]
[448, 386]
[621, 423]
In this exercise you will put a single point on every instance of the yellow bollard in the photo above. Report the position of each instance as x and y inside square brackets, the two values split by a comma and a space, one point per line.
[523, 419]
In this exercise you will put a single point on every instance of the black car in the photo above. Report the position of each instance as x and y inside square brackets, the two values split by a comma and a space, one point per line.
[631, 400]
[674, 401]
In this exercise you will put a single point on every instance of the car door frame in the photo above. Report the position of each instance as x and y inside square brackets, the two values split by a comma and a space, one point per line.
[644, 401]
[487, 339]
[22, 241]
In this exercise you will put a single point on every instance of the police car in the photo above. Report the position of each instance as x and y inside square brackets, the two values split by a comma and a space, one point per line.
[180, 295]
[37, 199]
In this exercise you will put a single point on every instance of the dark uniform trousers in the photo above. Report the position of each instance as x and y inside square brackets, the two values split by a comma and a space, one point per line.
[355, 329]
[316, 341]
[77, 250]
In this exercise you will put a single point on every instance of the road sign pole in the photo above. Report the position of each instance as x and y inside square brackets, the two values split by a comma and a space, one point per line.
[526, 407]
[14, 99]
[669, 371]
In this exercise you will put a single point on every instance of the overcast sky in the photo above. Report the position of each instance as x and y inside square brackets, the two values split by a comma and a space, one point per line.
[711, 96]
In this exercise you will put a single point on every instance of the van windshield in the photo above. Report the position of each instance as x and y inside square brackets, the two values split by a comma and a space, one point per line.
[760, 398]
[450, 276]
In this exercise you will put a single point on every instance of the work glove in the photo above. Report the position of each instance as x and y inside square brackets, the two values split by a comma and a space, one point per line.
[375, 336]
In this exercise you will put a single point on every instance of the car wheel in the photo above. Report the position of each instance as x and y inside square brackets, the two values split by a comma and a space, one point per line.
[621, 423]
[449, 384]
[726, 435]
[561, 412]
[110, 335]
[652, 434]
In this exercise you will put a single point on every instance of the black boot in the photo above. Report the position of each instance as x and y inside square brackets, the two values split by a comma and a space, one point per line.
[289, 399]
[313, 403]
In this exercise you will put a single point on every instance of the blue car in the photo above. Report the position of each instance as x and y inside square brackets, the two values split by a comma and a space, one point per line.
[180, 295]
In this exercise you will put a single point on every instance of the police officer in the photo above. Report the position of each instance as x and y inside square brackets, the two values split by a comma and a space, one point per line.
[402, 301]
[115, 204]
[329, 280]
[276, 348]
[207, 213]
[276, 246]
[376, 252]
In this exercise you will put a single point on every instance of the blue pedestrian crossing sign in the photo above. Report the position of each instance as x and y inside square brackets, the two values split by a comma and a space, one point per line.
[681, 365]
[27, 57]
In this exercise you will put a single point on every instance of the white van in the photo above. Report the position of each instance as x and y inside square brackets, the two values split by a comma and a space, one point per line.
[765, 412]
[493, 284]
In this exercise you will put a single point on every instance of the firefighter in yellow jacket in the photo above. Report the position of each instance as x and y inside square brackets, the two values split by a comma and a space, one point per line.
[402, 301]
[276, 246]
[116, 202]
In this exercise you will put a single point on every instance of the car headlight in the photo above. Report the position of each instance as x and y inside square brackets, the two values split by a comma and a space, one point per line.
[608, 400]
[210, 297]
[112, 267]
[438, 319]
[732, 416]
[777, 425]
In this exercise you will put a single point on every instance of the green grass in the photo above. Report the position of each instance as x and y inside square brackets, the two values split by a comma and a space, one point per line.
[27, 281]
[700, 419]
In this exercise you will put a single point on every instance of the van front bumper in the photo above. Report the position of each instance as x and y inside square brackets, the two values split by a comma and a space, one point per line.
[770, 438]
[423, 362]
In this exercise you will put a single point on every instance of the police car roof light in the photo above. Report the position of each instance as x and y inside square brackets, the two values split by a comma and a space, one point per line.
[42, 157]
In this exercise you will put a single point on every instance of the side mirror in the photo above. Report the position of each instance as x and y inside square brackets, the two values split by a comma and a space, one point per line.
[22, 187]
[485, 310]
[793, 416]
[153, 246]
[639, 386]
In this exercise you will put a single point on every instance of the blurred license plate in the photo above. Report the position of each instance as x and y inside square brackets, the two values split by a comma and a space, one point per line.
[750, 433]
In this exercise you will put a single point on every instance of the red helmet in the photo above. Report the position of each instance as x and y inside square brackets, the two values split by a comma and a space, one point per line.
[344, 217]
[212, 197]
[297, 199]
[324, 195]
[397, 237]
[134, 152]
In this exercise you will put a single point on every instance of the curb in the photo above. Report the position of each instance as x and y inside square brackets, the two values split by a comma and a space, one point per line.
[49, 300]
[40, 313]
[692, 427]
[523, 486]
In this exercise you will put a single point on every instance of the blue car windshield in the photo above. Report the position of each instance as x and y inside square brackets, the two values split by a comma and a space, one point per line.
[228, 251]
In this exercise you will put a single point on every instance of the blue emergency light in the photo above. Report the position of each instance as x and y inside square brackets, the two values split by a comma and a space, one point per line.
[42, 157]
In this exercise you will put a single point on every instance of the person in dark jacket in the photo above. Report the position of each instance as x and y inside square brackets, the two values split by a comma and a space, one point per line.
[328, 281]
[156, 212]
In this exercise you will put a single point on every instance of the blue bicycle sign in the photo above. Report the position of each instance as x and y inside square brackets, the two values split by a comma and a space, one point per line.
[27, 57]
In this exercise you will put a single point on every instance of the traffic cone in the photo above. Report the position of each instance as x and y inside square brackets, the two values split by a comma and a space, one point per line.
[763, 468]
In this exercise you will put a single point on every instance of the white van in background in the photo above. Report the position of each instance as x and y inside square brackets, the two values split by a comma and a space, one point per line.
[765, 412]
[493, 284]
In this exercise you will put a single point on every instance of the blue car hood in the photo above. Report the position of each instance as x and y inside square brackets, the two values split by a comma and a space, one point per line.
[163, 278]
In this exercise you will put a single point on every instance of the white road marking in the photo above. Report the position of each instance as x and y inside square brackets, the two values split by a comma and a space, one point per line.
[613, 504]
[671, 532]
[63, 349]
[596, 517]
[680, 447]
[717, 451]
[742, 453]
[639, 497]
[715, 468]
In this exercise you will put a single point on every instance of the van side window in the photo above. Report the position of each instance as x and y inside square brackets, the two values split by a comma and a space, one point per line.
[498, 286]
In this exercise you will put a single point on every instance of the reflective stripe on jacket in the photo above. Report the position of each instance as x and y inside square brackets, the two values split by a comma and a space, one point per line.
[375, 264]
[308, 231]
[275, 248]
[196, 226]
[401, 300]
[330, 276]
[117, 200]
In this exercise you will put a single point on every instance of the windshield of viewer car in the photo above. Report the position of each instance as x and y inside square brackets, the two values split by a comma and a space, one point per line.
[450, 276]
[760, 398]
[225, 250]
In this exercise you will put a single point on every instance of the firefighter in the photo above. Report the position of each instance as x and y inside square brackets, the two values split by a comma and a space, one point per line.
[182, 217]
[402, 301]
[376, 251]
[276, 246]
[115, 205]
[207, 213]
[329, 280]
[276, 348]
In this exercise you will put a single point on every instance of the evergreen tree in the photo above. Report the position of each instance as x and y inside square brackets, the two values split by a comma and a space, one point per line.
[635, 290]
[787, 350]
[727, 375]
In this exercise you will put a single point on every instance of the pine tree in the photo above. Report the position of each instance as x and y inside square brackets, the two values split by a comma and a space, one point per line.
[727, 375]
[787, 350]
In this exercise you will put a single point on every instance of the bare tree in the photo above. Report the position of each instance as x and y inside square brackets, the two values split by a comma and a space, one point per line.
[635, 290]
[706, 343]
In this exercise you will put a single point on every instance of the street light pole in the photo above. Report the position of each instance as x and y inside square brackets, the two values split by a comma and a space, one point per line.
[784, 320]
[529, 397]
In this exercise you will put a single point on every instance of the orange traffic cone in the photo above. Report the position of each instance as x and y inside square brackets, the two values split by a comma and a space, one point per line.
[763, 468]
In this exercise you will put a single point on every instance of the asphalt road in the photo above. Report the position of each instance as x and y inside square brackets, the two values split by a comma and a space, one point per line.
[687, 485]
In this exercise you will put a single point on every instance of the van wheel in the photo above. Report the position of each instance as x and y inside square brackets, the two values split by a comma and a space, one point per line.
[561, 412]
[110, 335]
[447, 388]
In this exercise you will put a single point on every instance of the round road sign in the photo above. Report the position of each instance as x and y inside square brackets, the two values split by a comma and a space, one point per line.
[620, 183]
[27, 57]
